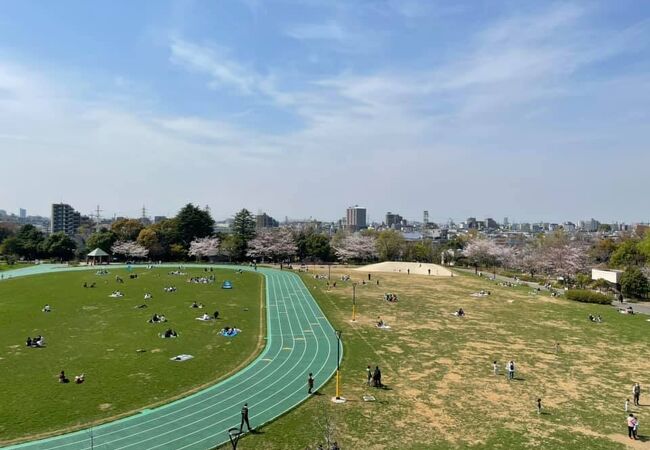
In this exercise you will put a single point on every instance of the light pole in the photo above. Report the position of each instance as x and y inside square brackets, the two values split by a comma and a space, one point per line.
[329, 271]
[338, 398]
[354, 302]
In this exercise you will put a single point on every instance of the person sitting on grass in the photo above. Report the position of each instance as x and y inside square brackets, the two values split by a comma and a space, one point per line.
[78, 379]
[170, 333]
[216, 315]
[460, 313]
[47, 308]
[92, 285]
[63, 378]
[29, 342]
[380, 322]
[155, 318]
[38, 341]
[85, 284]
[148, 296]
[205, 317]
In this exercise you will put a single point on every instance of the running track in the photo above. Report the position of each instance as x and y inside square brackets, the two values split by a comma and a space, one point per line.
[299, 340]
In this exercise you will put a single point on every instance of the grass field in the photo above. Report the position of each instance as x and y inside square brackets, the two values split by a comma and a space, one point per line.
[5, 266]
[442, 393]
[88, 332]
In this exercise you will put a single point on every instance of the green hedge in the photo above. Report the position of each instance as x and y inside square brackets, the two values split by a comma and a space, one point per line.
[586, 296]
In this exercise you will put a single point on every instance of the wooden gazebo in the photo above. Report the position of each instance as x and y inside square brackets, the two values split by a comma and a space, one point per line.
[97, 256]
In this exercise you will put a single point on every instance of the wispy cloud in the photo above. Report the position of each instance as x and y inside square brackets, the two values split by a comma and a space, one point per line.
[329, 30]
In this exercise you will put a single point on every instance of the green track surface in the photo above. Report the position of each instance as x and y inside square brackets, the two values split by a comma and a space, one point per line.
[299, 340]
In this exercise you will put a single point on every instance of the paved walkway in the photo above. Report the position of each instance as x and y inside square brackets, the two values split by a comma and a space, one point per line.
[299, 340]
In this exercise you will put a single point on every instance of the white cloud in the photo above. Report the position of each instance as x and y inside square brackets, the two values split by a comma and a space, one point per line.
[329, 30]
[390, 136]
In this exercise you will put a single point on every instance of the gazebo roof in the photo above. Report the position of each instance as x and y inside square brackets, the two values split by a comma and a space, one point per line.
[98, 252]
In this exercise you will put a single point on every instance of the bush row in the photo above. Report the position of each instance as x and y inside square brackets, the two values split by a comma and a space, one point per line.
[586, 296]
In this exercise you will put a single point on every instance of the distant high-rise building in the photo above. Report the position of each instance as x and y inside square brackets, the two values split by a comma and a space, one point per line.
[265, 221]
[491, 224]
[393, 220]
[356, 218]
[64, 218]
[505, 222]
[425, 218]
[23, 213]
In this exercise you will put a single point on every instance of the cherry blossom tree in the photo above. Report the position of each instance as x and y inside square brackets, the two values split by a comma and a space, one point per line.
[563, 259]
[356, 247]
[487, 253]
[204, 247]
[273, 244]
[129, 249]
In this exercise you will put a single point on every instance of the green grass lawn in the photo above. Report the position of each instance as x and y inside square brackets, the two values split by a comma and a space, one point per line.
[442, 392]
[5, 266]
[88, 332]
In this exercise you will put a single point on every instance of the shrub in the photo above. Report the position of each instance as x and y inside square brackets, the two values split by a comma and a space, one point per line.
[586, 296]
[634, 283]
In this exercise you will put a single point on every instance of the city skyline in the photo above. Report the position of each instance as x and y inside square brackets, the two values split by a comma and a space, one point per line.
[527, 110]
[372, 217]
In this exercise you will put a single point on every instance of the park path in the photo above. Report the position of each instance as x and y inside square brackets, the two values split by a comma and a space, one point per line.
[299, 340]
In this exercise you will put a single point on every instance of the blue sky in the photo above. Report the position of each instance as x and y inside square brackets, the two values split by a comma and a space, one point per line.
[532, 110]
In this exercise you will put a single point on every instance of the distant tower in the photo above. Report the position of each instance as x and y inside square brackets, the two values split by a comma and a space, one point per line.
[425, 219]
[505, 222]
[144, 212]
[97, 218]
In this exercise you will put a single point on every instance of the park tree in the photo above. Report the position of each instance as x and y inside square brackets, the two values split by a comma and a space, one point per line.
[26, 243]
[634, 283]
[272, 244]
[390, 245]
[6, 230]
[644, 246]
[628, 254]
[103, 239]
[486, 253]
[422, 251]
[129, 249]
[127, 229]
[318, 247]
[564, 259]
[60, 246]
[177, 252]
[601, 251]
[204, 247]
[356, 247]
[167, 233]
[528, 258]
[193, 222]
[243, 228]
[148, 238]
[313, 245]
[228, 247]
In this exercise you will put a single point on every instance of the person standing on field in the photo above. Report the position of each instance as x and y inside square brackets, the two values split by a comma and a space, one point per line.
[636, 392]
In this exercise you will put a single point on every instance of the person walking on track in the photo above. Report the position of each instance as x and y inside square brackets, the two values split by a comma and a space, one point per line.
[244, 418]
[310, 383]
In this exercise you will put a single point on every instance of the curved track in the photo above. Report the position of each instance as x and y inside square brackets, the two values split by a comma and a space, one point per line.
[299, 340]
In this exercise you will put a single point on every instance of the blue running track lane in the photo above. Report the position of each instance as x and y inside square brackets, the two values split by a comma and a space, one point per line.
[299, 340]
